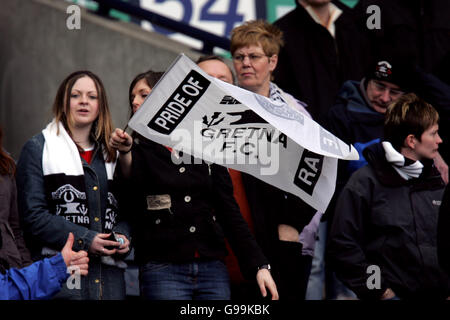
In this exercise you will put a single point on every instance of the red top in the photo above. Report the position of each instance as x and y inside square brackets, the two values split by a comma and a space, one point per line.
[241, 199]
[87, 155]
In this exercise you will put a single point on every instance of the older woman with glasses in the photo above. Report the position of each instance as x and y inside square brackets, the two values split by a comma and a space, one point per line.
[279, 218]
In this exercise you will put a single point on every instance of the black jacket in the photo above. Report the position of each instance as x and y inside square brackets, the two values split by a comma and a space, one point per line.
[203, 211]
[384, 220]
[313, 65]
[269, 207]
[443, 234]
[417, 29]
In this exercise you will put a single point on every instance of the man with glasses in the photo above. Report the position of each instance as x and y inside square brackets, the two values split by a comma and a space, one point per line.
[358, 114]
[358, 118]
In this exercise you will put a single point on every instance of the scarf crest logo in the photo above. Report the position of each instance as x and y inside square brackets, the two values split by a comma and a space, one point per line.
[111, 212]
[73, 206]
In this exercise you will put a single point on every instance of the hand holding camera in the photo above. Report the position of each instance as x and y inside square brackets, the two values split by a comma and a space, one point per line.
[107, 244]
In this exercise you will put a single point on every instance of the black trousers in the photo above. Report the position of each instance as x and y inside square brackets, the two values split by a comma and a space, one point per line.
[291, 271]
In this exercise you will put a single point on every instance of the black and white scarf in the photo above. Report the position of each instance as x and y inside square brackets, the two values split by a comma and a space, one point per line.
[406, 168]
[64, 181]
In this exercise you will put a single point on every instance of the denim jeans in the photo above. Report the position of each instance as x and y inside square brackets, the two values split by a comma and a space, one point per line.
[198, 280]
[316, 283]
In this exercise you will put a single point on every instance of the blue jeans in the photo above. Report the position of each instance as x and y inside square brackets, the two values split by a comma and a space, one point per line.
[316, 282]
[198, 280]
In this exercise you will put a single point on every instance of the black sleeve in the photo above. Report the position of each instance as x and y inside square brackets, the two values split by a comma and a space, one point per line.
[345, 248]
[443, 234]
[283, 75]
[249, 254]
[338, 124]
[296, 212]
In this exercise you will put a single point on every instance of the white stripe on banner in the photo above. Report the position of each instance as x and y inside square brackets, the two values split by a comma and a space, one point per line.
[212, 120]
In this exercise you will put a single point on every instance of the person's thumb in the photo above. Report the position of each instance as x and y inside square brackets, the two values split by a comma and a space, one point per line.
[69, 242]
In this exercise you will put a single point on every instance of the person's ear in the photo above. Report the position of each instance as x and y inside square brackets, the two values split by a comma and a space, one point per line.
[410, 141]
[273, 61]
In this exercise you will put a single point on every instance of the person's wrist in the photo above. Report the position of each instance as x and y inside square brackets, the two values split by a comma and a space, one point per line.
[124, 152]
[265, 266]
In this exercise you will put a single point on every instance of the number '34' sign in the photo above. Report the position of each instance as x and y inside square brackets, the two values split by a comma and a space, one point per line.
[215, 16]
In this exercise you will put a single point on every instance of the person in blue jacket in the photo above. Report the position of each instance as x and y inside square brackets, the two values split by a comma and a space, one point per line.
[44, 278]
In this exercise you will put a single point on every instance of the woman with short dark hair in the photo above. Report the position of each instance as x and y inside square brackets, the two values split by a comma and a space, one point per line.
[383, 240]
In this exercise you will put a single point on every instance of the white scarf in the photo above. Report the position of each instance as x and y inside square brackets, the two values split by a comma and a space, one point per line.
[397, 160]
[61, 154]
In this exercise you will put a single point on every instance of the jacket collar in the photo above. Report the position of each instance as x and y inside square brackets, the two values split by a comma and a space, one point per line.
[386, 174]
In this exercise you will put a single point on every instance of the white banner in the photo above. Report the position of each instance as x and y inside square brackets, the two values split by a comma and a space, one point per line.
[212, 120]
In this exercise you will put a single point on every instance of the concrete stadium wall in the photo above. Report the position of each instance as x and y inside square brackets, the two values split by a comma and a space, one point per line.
[37, 51]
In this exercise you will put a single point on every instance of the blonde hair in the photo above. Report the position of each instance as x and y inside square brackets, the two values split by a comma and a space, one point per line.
[257, 32]
[102, 127]
[409, 114]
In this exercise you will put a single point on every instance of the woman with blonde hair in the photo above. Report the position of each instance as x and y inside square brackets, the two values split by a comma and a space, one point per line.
[64, 181]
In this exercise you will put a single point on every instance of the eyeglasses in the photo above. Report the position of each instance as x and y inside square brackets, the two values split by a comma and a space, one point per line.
[253, 57]
[381, 87]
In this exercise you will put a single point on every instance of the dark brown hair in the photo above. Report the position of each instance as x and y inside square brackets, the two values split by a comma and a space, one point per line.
[150, 76]
[102, 127]
[409, 114]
